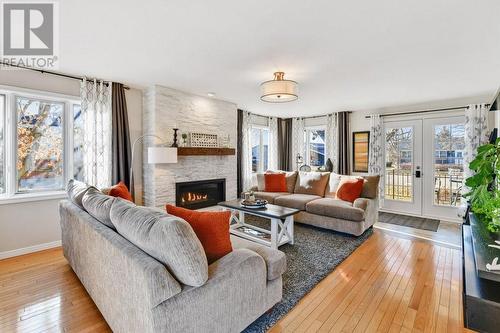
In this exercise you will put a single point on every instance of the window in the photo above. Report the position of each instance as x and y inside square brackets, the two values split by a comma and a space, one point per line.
[2, 145]
[260, 148]
[37, 130]
[315, 146]
[40, 147]
[78, 140]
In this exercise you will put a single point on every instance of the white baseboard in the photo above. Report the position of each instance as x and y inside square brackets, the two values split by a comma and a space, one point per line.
[29, 249]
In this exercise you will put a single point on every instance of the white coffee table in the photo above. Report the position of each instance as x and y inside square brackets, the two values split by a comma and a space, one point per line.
[281, 223]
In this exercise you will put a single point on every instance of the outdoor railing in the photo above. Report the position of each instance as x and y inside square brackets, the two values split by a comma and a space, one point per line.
[447, 186]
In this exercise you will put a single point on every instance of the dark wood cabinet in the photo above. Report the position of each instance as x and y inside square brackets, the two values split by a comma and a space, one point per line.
[481, 297]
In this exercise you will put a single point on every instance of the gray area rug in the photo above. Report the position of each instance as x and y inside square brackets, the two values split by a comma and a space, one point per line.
[314, 255]
[409, 221]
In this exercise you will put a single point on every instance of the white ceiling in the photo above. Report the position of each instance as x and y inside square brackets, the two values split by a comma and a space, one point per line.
[345, 55]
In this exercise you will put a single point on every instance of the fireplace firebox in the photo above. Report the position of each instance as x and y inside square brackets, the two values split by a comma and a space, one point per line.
[200, 194]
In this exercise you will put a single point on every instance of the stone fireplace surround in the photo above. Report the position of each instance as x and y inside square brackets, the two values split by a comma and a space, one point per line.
[163, 109]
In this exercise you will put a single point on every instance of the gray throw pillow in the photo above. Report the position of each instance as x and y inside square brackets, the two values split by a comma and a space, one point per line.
[167, 238]
[370, 187]
[76, 190]
[98, 205]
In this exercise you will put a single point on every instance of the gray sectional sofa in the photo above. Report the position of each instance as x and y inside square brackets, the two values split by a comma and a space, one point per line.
[314, 194]
[146, 270]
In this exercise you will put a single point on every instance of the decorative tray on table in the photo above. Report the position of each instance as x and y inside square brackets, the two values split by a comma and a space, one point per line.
[257, 203]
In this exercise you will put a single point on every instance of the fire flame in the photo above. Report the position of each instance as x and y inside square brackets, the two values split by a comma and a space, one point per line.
[192, 197]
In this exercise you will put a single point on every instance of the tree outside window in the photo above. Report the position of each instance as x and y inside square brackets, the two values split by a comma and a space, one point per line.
[38, 130]
[40, 146]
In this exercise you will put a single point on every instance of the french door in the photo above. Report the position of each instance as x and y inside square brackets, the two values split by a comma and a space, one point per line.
[403, 163]
[444, 142]
[424, 166]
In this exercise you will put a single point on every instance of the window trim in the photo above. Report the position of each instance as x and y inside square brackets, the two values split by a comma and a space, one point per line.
[261, 128]
[4, 146]
[11, 194]
[307, 151]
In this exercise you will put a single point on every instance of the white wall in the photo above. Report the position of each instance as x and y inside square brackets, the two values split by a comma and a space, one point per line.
[30, 224]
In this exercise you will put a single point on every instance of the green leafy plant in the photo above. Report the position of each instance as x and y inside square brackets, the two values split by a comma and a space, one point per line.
[484, 195]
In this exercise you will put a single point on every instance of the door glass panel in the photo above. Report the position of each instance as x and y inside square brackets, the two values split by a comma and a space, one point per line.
[449, 143]
[399, 162]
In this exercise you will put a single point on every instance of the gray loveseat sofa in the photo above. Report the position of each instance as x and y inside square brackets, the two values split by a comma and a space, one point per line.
[146, 270]
[314, 194]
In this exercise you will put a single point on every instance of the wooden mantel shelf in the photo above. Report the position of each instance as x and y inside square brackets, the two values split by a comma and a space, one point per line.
[196, 151]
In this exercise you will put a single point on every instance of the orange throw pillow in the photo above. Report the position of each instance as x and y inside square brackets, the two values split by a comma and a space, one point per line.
[120, 190]
[275, 182]
[350, 189]
[212, 229]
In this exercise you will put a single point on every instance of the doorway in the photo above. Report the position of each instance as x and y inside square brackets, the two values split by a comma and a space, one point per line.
[424, 166]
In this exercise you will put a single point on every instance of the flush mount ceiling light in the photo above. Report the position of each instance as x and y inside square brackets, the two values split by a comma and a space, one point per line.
[278, 90]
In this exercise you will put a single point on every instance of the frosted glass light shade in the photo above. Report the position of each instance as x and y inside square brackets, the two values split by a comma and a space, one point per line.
[279, 90]
[160, 155]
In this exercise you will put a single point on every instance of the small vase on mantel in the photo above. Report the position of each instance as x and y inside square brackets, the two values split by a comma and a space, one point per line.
[184, 137]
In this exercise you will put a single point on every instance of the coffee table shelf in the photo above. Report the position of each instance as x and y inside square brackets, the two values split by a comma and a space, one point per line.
[281, 223]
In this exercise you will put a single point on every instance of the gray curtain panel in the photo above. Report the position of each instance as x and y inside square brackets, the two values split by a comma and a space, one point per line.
[285, 144]
[344, 130]
[239, 152]
[120, 137]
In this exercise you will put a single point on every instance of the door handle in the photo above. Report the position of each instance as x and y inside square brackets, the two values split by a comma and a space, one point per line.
[418, 174]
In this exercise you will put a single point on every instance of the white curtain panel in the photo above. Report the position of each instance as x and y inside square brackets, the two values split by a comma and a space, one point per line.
[376, 158]
[96, 113]
[476, 133]
[331, 138]
[246, 158]
[273, 143]
[298, 146]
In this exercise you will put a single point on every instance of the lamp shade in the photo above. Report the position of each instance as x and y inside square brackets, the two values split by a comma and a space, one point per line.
[279, 90]
[159, 155]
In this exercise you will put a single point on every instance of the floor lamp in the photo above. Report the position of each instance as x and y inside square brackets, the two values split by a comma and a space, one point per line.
[156, 155]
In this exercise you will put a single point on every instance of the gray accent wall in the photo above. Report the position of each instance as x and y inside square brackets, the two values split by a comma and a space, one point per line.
[163, 109]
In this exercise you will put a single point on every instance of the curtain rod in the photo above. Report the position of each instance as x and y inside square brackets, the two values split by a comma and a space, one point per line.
[68, 76]
[424, 111]
[318, 116]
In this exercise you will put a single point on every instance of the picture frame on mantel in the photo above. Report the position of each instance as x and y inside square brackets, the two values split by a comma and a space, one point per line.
[360, 150]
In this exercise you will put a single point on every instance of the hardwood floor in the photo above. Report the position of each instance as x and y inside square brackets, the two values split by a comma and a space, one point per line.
[40, 293]
[389, 284]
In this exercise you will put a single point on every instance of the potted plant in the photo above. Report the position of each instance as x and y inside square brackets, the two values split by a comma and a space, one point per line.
[484, 195]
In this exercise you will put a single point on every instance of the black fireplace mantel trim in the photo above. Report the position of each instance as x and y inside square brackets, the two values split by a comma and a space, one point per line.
[201, 182]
